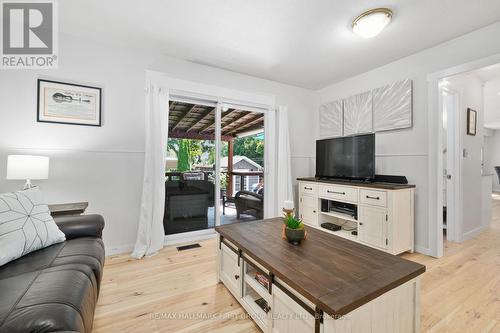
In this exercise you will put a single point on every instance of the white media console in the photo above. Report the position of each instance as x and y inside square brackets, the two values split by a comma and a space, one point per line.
[384, 216]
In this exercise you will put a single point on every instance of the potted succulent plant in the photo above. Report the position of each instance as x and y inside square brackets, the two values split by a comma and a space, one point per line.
[294, 229]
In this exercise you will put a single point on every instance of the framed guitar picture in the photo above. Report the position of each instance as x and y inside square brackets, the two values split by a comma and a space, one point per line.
[68, 103]
[471, 122]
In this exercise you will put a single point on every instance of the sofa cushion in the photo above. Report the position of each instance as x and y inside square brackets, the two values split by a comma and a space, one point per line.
[55, 289]
[58, 298]
[31, 262]
[25, 225]
[88, 251]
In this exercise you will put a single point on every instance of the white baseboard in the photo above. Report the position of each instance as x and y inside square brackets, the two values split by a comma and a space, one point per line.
[473, 233]
[192, 236]
[114, 250]
[423, 250]
[176, 239]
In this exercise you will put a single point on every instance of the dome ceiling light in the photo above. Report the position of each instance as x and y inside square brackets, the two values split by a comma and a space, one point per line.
[370, 23]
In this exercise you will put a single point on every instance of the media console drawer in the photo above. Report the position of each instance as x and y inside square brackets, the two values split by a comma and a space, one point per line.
[372, 197]
[342, 193]
[308, 188]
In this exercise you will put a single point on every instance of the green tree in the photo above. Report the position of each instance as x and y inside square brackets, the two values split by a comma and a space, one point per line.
[195, 151]
[251, 147]
[183, 156]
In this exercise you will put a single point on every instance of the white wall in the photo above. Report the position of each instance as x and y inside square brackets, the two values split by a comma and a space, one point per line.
[104, 166]
[492, 103]
[405, 152]
[470, 89]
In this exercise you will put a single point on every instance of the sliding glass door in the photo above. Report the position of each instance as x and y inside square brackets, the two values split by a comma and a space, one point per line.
[242, 164]
[190, 185]
[214, 172]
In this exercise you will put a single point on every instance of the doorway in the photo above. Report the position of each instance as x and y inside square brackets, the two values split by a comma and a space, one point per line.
[214, 172]
[464, 176]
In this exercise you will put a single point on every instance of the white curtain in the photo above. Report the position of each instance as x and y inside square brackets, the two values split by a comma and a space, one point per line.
[284, 172]
[150, 233]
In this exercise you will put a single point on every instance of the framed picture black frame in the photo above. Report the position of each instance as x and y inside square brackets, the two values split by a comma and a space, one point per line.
[471, 122]
[68, 103]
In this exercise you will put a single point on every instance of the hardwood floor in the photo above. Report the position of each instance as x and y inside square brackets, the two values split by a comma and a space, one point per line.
[460, 292]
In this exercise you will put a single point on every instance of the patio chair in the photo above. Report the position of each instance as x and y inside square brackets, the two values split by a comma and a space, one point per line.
[250, 203]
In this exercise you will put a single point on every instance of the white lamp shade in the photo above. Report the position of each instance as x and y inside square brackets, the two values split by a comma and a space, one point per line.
[27, 167]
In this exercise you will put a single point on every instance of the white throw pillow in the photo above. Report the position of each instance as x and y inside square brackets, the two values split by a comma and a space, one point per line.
[25, 224]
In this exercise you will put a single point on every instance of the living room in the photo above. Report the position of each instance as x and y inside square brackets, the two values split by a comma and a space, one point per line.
[248, 57]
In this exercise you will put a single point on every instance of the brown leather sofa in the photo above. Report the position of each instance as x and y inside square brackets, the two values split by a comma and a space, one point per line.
[55, 289]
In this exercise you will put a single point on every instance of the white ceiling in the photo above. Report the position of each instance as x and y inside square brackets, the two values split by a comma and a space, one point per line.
[300, 42]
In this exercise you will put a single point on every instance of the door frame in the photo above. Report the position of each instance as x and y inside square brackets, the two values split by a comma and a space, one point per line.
[221, 96]
[435, 163]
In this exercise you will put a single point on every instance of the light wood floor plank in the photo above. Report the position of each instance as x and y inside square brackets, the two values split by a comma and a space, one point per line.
[460, 292]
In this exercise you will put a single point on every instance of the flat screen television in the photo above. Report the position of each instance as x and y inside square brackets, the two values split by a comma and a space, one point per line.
[351, 157]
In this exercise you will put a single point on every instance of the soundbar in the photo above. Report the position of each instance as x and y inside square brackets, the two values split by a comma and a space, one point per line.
[390, 179]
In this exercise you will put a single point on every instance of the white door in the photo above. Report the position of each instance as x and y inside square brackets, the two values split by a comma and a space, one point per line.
[289, 316]
[308, 209]
[372, 226]
[229, 270]
[451, 122]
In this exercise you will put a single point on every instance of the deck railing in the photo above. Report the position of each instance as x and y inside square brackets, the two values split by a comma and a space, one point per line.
[207, 175]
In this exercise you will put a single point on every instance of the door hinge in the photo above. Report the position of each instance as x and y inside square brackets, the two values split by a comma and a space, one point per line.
[300, 199]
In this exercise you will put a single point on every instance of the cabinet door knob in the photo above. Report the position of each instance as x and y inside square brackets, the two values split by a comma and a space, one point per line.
[236, 277]
[360, 223]
[314, 211]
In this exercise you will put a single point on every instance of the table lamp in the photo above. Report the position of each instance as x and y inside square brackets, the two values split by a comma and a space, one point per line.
[27, 167]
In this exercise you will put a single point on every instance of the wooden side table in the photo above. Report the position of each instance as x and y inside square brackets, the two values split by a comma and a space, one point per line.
[75, 208]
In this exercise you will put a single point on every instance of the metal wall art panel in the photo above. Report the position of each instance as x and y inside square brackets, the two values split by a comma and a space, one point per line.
[358, 114]
[331, 116]
[392, 106]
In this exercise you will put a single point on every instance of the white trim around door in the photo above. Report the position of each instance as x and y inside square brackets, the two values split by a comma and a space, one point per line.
[435, 143]
[199, 93]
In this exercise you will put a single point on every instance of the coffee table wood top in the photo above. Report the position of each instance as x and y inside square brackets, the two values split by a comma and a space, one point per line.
[335, 274]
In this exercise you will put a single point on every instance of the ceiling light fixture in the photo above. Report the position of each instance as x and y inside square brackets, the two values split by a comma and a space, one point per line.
[370, 23]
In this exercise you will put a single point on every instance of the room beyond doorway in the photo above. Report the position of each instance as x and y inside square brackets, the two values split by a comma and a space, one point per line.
[469, 118]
